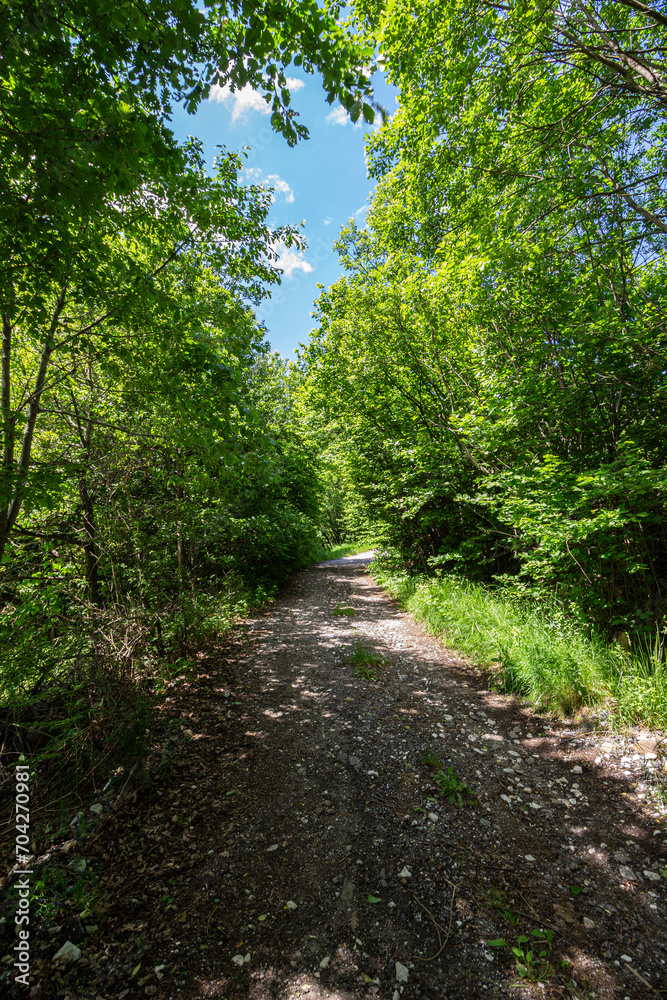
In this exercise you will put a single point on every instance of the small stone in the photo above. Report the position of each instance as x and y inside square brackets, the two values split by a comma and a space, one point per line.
[290, 905]
[488, 956]
[354, 762]
[405, 873]
[273, 847]
[373, 774]
[529, 857]
[577, 769]
[401, 973]
[588, 923]
[396, 996]
[651, 876]
[433, 817]
[77, 865]
[68, 953]
[238, 959]
[627, 874]
[97, 808]
[625, 958]
[324, 964]
[246, 958]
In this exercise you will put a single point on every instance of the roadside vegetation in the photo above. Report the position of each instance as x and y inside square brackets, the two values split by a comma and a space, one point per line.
[489, 376]
[534, 648]
[157, 479]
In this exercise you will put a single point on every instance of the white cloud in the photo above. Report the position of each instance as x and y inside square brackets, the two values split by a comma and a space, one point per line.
[246, 100]
[253, 175]
[338, 116]
[360, 211]
[291, 260]
[328, 220]
[276, 182]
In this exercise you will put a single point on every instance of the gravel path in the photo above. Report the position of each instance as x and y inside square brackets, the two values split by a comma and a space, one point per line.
[293, 841]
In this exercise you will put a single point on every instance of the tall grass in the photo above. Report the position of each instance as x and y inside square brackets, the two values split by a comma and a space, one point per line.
[535, 648]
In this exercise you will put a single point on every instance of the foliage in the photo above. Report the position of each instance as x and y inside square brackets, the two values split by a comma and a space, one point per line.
[489, 373]
[451, 786]
[530, 954]
[157, 479]
[534, 647]
[366, 662]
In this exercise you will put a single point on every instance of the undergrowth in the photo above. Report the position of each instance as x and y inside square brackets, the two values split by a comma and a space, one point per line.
[535, 649]
[339, 551]
[83, 705]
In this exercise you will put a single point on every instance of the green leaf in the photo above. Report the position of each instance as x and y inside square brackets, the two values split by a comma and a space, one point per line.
[374, 899]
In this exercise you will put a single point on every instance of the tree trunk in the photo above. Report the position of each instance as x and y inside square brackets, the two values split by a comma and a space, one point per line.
[7, 430]
[89, 545]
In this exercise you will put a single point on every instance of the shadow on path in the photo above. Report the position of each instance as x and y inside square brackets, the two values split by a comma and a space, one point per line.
[293, 841]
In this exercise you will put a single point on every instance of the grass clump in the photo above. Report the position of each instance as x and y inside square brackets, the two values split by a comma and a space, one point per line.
[535, 649]
[366, 662]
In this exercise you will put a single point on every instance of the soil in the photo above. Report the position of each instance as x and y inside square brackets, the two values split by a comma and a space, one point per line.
[288, 838]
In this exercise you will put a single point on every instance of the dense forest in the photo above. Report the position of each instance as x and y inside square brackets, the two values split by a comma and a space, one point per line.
[490, 371]
[483, 399]
[156, 477]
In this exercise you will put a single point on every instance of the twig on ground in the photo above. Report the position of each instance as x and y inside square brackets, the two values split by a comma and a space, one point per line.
[438, 927]
[639, 976]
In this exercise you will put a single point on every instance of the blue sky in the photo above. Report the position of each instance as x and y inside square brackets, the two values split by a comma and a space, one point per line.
[321, 181]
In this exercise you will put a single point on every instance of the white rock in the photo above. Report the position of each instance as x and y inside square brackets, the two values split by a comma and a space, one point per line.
[448, 718]
[374, 774]
[324, 964]
[529, 857]
[396, 996]
[97, 808]
[273, 847]
[628, 874]
[401, 973]
[434, 817]
[488, 956]
[405, 874]
[588, 923]
[625, 958]
[68, 953]
[652, 876]
[238, 959]
[290, 905]
[246, 958]
[576, 769]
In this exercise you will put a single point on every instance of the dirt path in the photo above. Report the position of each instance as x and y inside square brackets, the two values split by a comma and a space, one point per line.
[292, 842]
